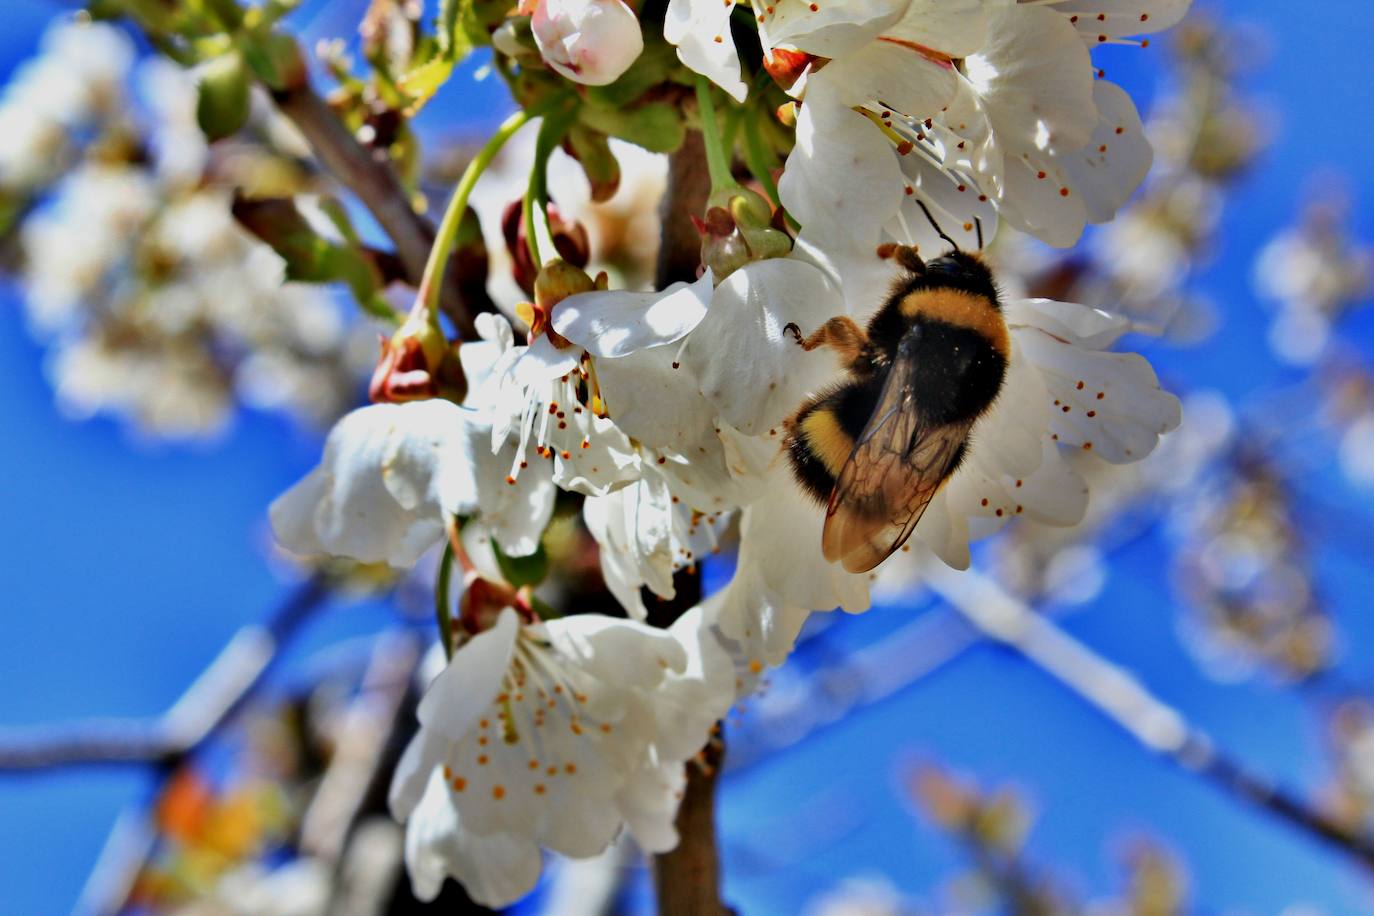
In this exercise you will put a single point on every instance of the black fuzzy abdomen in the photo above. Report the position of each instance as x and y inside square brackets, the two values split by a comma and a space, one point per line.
[956, 372]
[818, 450]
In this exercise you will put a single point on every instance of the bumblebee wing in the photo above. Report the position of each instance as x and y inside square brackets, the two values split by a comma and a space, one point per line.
[898, 464]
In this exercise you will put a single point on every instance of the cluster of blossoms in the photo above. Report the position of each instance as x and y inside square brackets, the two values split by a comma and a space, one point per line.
[158, 307]
[918, 124]
[1205, 134]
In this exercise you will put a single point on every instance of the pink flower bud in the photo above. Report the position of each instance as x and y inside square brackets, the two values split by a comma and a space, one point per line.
[588, 41]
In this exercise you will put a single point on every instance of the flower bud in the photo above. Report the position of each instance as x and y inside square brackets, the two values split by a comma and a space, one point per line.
[570, 240]
[786, 66]
[483, 601]
[738, 228]
[557, 280]
[417, 363]
[222, 97]
[589, 41]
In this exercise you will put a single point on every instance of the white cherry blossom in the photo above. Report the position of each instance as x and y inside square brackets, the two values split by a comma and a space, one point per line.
[701, 31]
[646, 532]
[554, 735]
[589, 41]
[1006, 105]
[392, 476]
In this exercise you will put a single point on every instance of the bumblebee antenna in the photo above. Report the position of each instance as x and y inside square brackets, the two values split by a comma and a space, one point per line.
[938, 231]
[979, 224]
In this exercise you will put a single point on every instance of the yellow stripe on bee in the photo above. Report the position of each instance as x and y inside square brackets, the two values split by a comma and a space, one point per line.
[962, 309]
[827, 440]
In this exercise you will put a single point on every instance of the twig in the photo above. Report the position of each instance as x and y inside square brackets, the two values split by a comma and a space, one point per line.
[167, 742]
[359, 749]
[1128, 704]
[210, 699]
[687, 878]
[689, 185]
[369, 175]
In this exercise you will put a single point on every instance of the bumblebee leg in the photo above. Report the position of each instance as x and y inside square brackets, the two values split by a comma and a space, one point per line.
[904, 255]
[840, 333]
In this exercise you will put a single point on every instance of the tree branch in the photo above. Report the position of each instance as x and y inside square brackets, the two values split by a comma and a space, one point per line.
[369, 175]
[211, 698]
[1128, 704]
[687, 878]
[689, 185]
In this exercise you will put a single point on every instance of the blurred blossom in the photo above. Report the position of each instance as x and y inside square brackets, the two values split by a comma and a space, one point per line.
[862, 896]
[77, 79]
[1242, 567]
[1350, 794]
[1205, 134]
[1314, 273]
[155, 305]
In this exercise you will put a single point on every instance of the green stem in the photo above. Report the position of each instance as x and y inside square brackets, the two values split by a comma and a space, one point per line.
[757, 159]
[442, 607]
[433, 279]
[554, 127]
[531, 234]
[717, 160]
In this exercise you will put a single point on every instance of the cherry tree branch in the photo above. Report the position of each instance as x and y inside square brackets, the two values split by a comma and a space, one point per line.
[207, 703]
[369, 176]
[1128, 704]
[688, 877]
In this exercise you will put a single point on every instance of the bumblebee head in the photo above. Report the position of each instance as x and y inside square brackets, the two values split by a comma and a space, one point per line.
[960, 270]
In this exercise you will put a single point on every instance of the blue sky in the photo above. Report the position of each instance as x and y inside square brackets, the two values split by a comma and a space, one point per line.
[129, 565]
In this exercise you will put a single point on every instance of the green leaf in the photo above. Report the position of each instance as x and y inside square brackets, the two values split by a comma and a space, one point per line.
[592, 150]
[518, 571]
[650, 69]
[420, 84]
[309, 256]
[657, 127]
[275, 58]
[222, 100]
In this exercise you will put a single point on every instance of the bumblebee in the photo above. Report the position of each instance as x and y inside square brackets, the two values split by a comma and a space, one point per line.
[876, 447]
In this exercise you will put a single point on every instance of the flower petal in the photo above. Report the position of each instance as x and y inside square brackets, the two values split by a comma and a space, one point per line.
[615, 324]
[841, 179]
[751, 371]
[701, 31]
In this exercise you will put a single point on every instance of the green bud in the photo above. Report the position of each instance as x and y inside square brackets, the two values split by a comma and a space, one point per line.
[276, 59]
[518, 571]
[737, 229]
[222, 100]
[557, 281]
[593, 151]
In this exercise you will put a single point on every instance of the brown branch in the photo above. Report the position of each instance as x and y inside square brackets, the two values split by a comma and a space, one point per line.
[689, 185]
[369, 175]
[219, 690]
[1128, 704]
[687, 878]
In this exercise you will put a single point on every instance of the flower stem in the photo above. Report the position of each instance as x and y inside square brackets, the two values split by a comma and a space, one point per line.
[531, 234]
[442, 604]
[757, 159]
[555, 125]
[717, 159]
[432, 281]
